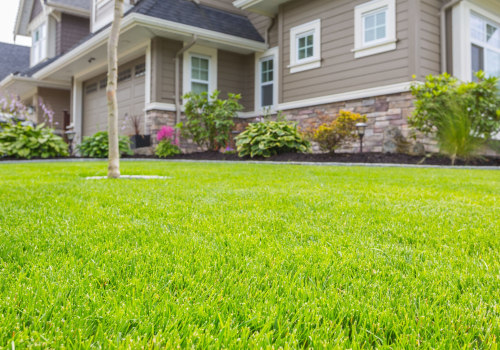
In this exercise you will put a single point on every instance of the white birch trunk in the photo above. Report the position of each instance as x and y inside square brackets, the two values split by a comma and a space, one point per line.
[114, 153]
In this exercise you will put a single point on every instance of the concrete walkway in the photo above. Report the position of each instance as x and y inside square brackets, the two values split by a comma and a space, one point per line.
[372, 165]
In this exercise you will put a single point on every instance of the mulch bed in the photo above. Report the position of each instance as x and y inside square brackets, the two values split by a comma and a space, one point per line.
[374, 158]
[387, 158]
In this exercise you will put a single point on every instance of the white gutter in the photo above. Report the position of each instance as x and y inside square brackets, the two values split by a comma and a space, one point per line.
[135, 19]
[444, 56]
[11, 79]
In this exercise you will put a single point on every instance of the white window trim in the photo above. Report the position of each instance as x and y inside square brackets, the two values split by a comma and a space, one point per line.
[274, 52]
[461, 41]
[313, 62]
[389, 43]
[204, 52]
[43, 42]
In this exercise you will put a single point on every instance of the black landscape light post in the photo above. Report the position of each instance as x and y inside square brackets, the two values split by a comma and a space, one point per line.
[361, 128]
[70, 134]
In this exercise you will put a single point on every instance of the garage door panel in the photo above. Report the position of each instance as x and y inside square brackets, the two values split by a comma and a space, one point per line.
[131, 101]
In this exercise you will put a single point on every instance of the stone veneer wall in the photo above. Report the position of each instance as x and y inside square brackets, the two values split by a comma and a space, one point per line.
[155, 119]
[387, 120]
[387, 123]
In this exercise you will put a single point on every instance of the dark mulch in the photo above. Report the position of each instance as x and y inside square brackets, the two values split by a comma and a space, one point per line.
[386, 158]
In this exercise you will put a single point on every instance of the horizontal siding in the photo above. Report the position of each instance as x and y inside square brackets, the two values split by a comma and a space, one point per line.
[163, 70]
[236, 76]
[430, 44]
[58, 101]
[262, 23]
[339, 71]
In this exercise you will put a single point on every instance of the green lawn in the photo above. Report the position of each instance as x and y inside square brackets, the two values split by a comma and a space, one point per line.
[245, 255]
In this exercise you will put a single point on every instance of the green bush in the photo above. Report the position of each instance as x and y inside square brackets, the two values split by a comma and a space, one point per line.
[342, 130]
[480, 99]
[97, 146]
[266, 139]
[210, 120]
[166, 149]
[26, 141]
[461, 116]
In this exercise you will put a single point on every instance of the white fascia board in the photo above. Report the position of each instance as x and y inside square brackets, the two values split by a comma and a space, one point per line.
[68, 9]
[139, 19]
[12, 79]
[203, 34]
[22, 12]
[244, 4]
[349, 96]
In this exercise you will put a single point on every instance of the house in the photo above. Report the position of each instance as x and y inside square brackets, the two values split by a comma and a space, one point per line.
[308, 59]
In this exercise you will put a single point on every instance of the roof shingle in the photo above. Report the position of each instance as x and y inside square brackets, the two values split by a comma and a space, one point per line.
[14, 58]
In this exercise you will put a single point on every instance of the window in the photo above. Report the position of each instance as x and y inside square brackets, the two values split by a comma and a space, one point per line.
[124, 75]
[39, 45]
[103, 84]
[266, 79]
[140, 70]
[200, 74]
[485, 46]
[267, 82]
[375, 28]
[91, 88]
[305, 47]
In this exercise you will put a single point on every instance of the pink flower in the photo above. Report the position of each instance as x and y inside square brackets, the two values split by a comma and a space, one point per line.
[166, 132]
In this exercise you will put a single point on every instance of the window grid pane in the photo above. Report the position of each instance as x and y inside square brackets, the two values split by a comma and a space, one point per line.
[485, 37]
[375, 25]
[199, 74]
[305, 46]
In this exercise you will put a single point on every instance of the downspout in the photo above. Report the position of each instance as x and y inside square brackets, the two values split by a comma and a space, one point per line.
[268, 29]
[177, 80]
[444, 58]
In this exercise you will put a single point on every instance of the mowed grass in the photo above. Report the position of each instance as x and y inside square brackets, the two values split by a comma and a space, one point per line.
[249, 256]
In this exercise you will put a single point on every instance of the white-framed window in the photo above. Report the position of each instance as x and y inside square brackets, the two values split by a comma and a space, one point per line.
[305, 46]
[39, 43]
[485, 45]
[375, 27]
[200, 74]
[266, 79]
[200, 70]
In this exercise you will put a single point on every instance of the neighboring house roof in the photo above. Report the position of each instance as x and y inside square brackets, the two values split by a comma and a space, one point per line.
[14, 58]
[189, 13]
[180, 11]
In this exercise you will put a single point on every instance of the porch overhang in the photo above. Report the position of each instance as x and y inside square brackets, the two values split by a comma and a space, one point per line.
[25, 87]
[264, 7]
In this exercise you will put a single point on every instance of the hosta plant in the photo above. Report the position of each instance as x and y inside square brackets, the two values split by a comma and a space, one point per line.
[266, 139]
[25, 141]
[97, 146]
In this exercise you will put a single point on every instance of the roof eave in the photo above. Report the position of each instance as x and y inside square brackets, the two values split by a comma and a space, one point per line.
[134, 19]
[264, 7]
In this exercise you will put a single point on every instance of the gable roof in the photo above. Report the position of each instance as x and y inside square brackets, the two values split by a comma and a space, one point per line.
[14, 58]
[201, 16]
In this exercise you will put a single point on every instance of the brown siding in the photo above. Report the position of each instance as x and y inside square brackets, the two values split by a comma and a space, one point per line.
[430, 44]
[163, 70]
[236, 75]
[37, 9]
[262, 23]
[58, 101]
[70, 31]
[339, 71]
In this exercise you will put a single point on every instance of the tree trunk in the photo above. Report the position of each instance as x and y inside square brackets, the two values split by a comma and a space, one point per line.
[114, 153]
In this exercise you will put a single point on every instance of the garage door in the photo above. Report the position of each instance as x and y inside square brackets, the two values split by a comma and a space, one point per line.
[131, 92]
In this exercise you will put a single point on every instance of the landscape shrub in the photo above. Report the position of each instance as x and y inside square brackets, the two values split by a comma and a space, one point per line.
[446, 108]
[27, 141]
[269, 138]
[341, 131]
[209, 120]
[97, 146]
[168, 145]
